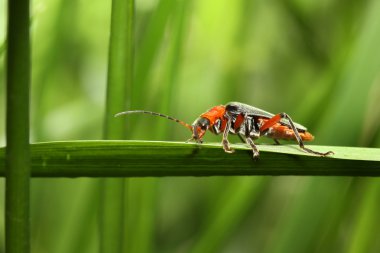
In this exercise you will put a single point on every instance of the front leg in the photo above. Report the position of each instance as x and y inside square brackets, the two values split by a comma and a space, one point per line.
[225, 142]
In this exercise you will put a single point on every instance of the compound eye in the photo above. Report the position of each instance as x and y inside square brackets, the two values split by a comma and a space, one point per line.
[203, 123]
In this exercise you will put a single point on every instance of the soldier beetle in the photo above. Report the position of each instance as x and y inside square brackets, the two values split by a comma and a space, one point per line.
[248, 122]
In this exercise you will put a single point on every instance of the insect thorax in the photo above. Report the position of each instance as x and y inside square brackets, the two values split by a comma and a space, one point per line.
[249, 127]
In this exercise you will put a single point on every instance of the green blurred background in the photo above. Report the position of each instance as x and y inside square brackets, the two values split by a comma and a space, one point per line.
[319, 61]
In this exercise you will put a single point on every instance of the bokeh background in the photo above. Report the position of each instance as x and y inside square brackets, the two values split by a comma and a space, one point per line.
[319, 61]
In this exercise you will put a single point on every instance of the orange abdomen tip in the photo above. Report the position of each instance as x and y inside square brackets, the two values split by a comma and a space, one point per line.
[285, 133]
[306, 136]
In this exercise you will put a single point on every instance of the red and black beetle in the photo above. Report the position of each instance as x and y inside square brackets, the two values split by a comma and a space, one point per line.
[248, 122]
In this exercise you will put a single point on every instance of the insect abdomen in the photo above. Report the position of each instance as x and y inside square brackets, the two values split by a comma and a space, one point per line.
[285, 133]
[280, 131]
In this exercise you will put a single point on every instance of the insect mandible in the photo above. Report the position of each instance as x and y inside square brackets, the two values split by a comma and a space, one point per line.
[248, 122]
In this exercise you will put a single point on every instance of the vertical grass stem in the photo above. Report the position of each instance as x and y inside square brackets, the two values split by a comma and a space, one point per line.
[17, 128]
[120, 78]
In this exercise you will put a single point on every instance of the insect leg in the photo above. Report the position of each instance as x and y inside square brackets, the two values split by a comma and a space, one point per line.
[275, 119]
[255, 151]
[249, 127]
[277, 142]
[250, 142]
[225, 142]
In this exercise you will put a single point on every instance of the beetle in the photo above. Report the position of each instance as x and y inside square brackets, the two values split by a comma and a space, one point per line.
[248, 122]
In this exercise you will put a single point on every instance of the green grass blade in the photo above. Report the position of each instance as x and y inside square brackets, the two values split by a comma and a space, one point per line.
[2, 48]
[144, 158]
[120, 66]
[120, 77]
[142, 193]
[140, 222]
[17, 153]
[17, 197]
[111, 215]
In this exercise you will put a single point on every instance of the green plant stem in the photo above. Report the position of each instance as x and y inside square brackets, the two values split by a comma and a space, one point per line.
[111, 214]
[142, 193]
[120, 66]
[120, 78]
[155, 159]
[17, 170]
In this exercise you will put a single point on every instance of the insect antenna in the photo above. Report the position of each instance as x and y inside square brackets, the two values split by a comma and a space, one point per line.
[156, 114]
